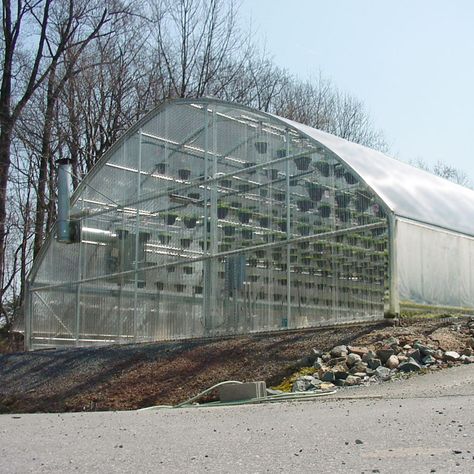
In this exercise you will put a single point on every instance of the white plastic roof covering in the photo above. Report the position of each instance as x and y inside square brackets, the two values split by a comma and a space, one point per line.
[408, 191]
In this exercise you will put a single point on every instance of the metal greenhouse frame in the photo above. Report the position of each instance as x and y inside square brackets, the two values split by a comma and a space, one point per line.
[208, 218]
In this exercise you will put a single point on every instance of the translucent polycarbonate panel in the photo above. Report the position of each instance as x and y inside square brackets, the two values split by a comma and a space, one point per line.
[209, 220]
[435, 267]
[408, 191]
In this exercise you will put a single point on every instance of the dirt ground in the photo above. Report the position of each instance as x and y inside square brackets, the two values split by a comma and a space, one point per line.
[135, 376]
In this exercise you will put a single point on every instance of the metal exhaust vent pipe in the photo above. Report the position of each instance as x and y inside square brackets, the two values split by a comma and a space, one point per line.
[63, 226]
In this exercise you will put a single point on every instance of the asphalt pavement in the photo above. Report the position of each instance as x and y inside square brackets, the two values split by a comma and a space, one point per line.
[423, 424]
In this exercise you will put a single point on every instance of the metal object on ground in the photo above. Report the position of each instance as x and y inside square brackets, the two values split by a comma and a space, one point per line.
[243, 391]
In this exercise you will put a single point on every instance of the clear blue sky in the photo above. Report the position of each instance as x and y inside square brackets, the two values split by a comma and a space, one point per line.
[410, 61]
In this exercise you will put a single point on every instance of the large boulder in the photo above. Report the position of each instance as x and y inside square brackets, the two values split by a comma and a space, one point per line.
[384, 353]
[306, 382]
[383, 373]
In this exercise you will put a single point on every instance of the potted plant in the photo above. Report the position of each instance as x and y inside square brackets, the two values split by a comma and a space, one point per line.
[186, 242]
[222, 210]
[293, 181]
[250, 164]
[315, 191]
[263, 192]
[304, 205]
[282, 224]
[170, 218]
[261, 147]
[323, 167]
[324, 210]
[304, 229]
[160, 286]
[264, 221]
[302, 162]
[184, 173]
[342, 199]
[164, 238]
[244, 215]
[350, 178]
[244, 187]
[161, 168]
[247, 234]
[189, 222]
[281, 153]
[229, 230]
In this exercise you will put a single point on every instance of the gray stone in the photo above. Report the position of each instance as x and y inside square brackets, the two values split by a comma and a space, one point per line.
[406, 347]
[353, 359]
[328, 376]
[424, 350]
[415, 354]
[402, 358]
[374, 363]
[339, 351]
[317, 353]
[369, 356]
[384, 353]
[439, 354]
[451, 356]
[383, 373]
[306, 382]
[469, 360]
[341, 375]
[358, 350]
[411, 365]
[340, 382]
[352, 380]
[360, 367]
[318, 363]
[392, 362]
[428, 360]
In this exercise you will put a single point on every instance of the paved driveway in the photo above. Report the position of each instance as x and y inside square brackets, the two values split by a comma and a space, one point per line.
[425, 424]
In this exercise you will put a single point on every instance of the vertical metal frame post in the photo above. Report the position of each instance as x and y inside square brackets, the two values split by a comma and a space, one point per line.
[394, 296]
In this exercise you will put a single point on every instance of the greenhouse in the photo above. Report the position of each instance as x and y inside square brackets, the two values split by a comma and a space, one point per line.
[208, 218]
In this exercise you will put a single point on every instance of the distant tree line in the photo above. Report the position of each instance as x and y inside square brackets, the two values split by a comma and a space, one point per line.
[77, 73]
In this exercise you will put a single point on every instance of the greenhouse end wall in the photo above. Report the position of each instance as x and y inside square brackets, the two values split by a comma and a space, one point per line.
[210, 219]
[435, 267]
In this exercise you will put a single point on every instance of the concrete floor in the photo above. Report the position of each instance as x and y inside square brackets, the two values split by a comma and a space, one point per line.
[424, 424]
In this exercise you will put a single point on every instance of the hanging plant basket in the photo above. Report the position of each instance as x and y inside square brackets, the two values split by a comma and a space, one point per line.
[244, 215]
[189, 222]
[343, 199]
[362, 201]
[281, 153]
[250, 164]
[264, 221]
[282, 225]
[302, 162]
[222, 211]
[305, 205]
[261, 147]
[170, 218]
[338, 170]
[164, 238]
[324, 168]
[247, 234]
[304, 230]
[350, 178]
[263, 192]
[244, 187]
[260, 253]
[324, 210]
[315, 191]
[184, 174]
[161, 168]
[186, 243]
[229, 230]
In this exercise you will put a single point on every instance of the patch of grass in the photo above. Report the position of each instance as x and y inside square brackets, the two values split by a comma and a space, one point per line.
[287, 383]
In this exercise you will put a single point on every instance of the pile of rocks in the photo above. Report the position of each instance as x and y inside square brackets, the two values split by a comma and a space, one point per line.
[351, 365]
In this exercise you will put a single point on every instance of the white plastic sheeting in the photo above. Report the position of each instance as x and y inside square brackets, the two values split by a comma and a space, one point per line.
[435, 267]
[408, 191]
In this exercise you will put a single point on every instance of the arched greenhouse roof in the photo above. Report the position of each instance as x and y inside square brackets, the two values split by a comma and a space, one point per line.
[406, 190]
